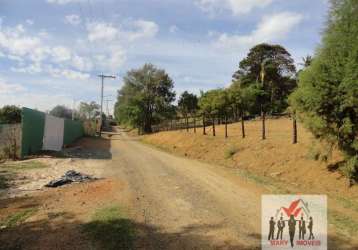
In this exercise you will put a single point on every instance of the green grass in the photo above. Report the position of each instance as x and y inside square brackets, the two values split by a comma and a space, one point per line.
[3, 182]
[343, 223]
[111, 229]
[24, 165]
[17, 218]
[270, 183]
[348, 203]
[230, 152]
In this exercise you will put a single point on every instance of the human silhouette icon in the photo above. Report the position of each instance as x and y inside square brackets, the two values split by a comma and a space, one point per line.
[272, 229]
[280, 227]
[302, 228]
[291, 228]
[310, 227]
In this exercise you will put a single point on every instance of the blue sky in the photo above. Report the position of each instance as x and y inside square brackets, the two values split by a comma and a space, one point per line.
[51, 51]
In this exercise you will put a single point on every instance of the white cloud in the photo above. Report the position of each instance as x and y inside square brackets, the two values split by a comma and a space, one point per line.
[143, 29]
[67, 73]
[30, 69]
[134, 30]
[101, 31]
[60, 54]
[81, 63]
[9, 88]
[41, 101]
[270, 29]
[73, 19]
[29, 22]
[173, 29]
[236, 7]
[32, 52]
[62, 2]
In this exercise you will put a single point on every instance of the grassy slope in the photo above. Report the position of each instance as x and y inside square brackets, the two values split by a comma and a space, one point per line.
[275, 163]
[276, 158]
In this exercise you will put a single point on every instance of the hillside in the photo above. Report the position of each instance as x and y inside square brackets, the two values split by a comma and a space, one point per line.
[275, 162]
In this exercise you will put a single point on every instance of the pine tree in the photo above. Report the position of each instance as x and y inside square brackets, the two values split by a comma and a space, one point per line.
[327, 96]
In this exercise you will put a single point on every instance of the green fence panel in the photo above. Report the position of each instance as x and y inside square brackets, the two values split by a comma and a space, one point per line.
[33, 125]
[73, 131]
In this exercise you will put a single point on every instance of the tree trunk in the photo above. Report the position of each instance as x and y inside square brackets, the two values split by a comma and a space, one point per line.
[194, 124]
[187, 123]
[294, 129]
[263, 124]
[204, 132]
[225, 126]
[242, 125]
[213, 119]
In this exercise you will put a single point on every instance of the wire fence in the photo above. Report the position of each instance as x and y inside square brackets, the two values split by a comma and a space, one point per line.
[228, 127]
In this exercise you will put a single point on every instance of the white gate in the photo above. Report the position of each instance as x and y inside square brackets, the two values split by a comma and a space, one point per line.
[53, 133]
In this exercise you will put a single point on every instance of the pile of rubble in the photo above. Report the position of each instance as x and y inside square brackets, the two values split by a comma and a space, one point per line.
[69, 177]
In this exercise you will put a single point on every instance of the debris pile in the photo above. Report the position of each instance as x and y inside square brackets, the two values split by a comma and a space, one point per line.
[69, 177]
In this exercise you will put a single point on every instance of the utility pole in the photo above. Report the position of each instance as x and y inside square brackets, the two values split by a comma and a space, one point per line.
[102, 83]
[73, 109]
[108, 101]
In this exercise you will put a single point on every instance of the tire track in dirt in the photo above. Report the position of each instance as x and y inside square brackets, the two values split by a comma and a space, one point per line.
[186, 205]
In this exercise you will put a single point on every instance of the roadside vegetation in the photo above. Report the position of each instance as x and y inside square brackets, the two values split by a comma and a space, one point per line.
[17, 218]
[322, 94]
[111, 229]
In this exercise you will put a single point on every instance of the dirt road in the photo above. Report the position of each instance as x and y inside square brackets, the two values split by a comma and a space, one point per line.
[184, 204]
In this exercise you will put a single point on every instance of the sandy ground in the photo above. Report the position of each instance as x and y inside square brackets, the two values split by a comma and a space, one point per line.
[177, 203]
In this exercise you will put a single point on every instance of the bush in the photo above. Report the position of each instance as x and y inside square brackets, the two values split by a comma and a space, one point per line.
[327, 95]
[90, 127]
[230, 152]
[10, 142]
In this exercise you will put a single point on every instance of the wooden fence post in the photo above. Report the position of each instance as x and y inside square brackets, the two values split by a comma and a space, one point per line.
[294, 128]
[187, 123]
[204, 132]
[242, 125]
[225, 126]
[263, 124]
[195, 124]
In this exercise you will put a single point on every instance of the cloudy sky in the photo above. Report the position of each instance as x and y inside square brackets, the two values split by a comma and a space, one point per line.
[51, 51]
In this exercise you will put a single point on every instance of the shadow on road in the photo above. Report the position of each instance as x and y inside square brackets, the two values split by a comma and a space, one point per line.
[84, 148]
[62, 231]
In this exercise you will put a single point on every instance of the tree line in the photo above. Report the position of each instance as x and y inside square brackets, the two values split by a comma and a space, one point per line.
[323, 94]
[260, 86]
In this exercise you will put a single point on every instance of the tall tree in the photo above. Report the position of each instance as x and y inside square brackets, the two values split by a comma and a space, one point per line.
[270, 68]
[10, 114]
[327, 95]
[278, 67]
[89, 110]
[306, 61]
[242, 100]
[61, 112]
[145, 98]
[187, 104]
[214, 103]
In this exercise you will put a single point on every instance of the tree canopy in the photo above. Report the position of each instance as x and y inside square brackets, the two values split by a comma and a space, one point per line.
[61, 112]
[10, 114]
[188, 103]
[275, 63]
[145, 98]
[89, 110]
[327, 94]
